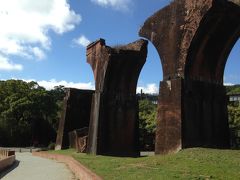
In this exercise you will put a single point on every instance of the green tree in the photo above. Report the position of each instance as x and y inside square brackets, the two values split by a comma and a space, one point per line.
[27, 113]
[234, 116]
[233, 107]
[147, 124]
[58, 93]
[235, 89]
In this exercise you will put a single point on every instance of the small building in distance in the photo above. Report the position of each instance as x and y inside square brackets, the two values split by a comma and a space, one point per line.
[151, 97]
[234, 97]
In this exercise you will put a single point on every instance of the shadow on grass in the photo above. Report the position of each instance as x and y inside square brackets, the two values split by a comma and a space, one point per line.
[9, 169]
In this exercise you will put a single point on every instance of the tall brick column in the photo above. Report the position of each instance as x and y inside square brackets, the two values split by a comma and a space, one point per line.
[114, 117]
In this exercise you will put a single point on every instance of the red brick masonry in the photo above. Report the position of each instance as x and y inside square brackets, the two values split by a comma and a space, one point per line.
[78, 169]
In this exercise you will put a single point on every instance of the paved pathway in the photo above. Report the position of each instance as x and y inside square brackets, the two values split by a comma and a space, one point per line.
[30, 167]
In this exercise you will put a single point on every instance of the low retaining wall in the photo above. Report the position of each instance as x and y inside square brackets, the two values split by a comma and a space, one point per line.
[5, 153]
[78, 169]
[7, 158]
[23, 149]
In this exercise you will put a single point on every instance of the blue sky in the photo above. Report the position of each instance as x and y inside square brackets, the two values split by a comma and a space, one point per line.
[45, 40]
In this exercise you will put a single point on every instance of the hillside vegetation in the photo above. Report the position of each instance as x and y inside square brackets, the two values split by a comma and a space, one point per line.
[235, 89]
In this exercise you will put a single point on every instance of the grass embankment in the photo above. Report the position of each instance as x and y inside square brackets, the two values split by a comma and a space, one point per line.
[196, 163]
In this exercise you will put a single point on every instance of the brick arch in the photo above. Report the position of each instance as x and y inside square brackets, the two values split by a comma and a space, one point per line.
[217, 34]
[205, 120]
[193, 39]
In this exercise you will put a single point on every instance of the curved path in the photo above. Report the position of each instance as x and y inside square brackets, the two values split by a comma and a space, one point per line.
[30, 167]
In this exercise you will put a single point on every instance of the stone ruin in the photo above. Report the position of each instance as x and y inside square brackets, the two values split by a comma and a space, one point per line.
[75, 114]
[193, 39]
[78, 139]
[113, 126]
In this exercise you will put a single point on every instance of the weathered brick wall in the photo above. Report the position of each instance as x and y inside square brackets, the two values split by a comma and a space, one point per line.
[205, 121]
[75, 114]
[114, 118]
[193, 39]
[169, 125]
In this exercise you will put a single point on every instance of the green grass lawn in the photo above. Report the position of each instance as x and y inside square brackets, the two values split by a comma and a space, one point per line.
[196, 163]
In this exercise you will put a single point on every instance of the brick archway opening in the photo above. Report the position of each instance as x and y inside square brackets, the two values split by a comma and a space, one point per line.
[231, 71]
[231, 82]
[147, 94]
[205, 121]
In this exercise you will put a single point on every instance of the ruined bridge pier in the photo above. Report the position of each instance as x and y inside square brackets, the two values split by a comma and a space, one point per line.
[75, 114]
[193, 39]
[113, 128]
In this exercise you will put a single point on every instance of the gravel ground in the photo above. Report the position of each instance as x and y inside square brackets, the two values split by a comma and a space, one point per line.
[28, 167]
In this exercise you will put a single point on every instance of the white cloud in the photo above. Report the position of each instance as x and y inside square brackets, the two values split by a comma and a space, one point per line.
[52, 83]
[228, 84]
[7, 65]
[82, 41]
[122, 5]
[25, 25]
[39, 53]
[148, 89]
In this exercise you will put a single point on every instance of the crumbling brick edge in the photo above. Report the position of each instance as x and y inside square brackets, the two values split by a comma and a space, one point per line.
[80, 171]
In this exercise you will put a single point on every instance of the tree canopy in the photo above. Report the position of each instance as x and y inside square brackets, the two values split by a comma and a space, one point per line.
[235, 89]
[28, 113]
[233, 108]
[147, 124]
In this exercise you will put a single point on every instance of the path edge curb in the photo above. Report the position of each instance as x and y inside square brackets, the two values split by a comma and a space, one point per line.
[77, 168]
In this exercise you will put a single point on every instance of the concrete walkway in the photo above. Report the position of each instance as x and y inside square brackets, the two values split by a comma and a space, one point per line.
[30, 167]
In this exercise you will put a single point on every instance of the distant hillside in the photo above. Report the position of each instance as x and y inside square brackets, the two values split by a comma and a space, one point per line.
[235, 89]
